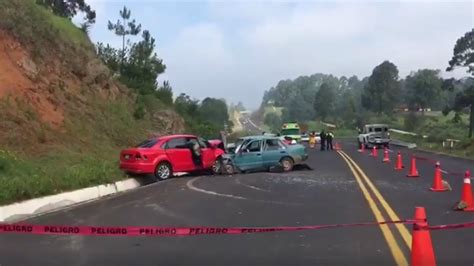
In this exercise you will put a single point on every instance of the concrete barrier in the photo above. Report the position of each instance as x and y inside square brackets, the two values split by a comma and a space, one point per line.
[21, 210]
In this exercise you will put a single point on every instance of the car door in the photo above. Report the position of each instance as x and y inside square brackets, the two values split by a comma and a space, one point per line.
[250, 156]
[207, 153]
[273, 151]
[179, 155]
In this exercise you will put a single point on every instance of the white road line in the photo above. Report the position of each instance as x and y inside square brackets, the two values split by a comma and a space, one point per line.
[190, 185]
[237, 180]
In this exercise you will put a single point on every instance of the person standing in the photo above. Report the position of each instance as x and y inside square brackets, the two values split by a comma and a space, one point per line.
[312, 139]
[323, 140]
[329, 138]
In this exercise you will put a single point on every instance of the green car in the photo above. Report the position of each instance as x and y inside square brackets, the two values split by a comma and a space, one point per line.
[263, 152]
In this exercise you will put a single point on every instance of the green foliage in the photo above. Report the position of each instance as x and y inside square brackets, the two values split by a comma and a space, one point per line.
[324, 101]
[139, 112]
[142, 66]
[214, 111]
[109, 56]
[382, 92]
[297, 96]
[463, 53]
[204, 118]
[411, 121]
[165, 93]
[273, 120]
[123, 28]
[463, 56]
[69, 8]
[423, 88]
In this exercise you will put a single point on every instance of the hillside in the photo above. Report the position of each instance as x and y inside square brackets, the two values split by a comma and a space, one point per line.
[63, 116]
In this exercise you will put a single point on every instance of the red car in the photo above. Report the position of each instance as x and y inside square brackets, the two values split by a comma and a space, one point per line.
[163, 156]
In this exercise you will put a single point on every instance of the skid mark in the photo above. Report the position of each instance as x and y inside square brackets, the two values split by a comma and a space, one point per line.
[237, 180]
[190, 185]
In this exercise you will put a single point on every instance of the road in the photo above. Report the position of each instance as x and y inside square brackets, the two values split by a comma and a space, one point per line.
[249, 126]
[333, 192]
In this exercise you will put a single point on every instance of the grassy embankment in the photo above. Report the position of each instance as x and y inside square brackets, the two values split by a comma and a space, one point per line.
[37, 159]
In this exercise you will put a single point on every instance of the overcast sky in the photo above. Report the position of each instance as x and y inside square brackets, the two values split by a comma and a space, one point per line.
[237, 50]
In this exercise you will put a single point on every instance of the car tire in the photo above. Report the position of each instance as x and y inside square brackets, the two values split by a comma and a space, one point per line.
[287, 164]
[163, 171]
[217, 166]
[229, 169]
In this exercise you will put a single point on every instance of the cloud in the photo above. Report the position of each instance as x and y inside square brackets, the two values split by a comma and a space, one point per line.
[237, 50]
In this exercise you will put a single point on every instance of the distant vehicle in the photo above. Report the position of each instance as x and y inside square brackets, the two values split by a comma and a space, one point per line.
[374, 135]
[163, 156]
[263, 152]
[304, 137]
[291, 130]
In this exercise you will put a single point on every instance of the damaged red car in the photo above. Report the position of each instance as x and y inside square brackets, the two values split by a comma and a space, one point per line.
[163, 156]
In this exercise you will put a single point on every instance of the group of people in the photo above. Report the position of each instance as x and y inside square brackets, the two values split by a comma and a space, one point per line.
[326, 140]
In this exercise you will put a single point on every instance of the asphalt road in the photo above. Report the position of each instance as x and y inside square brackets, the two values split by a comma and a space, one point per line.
[331, 193]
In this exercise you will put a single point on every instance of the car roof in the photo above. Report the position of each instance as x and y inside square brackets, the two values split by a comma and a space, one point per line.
[168, 137]
[259, 137]
[376, 125]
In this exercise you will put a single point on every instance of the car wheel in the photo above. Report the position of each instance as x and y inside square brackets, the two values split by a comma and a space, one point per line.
[229, 169]
[287, 164]
[217, 166]
[163, 171]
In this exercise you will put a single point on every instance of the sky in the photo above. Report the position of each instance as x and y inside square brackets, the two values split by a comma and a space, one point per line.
[238, 49]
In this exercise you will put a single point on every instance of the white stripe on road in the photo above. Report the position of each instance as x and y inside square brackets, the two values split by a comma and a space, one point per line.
[237, 180]
[190, 185]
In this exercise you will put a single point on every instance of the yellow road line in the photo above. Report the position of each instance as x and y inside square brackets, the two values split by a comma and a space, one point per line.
[391, 213]
[389, 238]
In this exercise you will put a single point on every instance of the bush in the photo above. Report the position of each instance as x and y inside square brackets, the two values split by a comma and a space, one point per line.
[139, 112]
[411, 121]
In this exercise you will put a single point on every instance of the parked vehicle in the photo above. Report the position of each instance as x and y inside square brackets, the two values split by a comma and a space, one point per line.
[291, 130]
[263, 152]
[304, 137]
[163, 156]
[374, 135]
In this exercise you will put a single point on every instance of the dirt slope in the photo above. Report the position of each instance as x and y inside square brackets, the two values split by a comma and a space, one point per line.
[63, 116]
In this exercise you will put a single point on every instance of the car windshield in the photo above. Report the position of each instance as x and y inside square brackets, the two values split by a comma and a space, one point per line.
[238, 144]
[292, 131]
[147, 143]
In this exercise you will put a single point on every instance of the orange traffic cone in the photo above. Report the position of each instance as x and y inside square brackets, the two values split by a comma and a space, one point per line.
[374, 152]
[421, 247]
[413, 171]
[386, 158]
[438, 180]
[466, 203]
[399, 164]
[362, 148]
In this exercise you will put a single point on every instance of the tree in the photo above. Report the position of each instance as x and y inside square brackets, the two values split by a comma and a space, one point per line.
[69, 8]
[214, 111]
[165, 93]
[142, 66]
[383, 89]
[109, 56]
[423, 88]
[124, 28]
[347, 108]
[186, 106]
[463, 56]
[273, 121]
[324, 101]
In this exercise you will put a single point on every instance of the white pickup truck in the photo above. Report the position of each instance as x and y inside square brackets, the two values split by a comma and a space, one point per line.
[374, 135]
